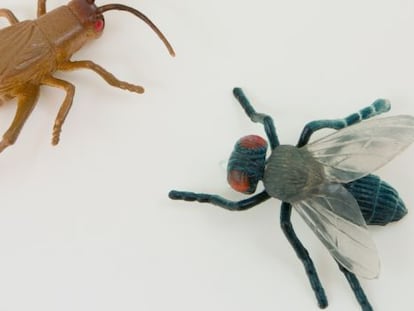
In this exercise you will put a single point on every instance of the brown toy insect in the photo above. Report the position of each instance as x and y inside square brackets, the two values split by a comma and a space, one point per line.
[31, 51]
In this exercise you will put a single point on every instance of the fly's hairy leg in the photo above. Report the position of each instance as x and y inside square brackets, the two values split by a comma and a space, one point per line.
[107, 76]
[357, 289]
[64, 108]
[264, 119]
[26, 100]
[9, 15]
[41, 7]
[376, 108]
[220, 201]
[302, 253]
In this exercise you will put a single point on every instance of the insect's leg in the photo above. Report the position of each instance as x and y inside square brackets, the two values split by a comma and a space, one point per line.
[107, 76]
[41, 7]
[377, 107]
[220, 201]
[9, 15]
[302, 253]
[356, 288]
[264, 119]
[64, 108]
[26, 100]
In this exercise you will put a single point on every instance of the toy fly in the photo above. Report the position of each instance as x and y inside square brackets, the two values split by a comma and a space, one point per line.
[31, 51]
[328, 182]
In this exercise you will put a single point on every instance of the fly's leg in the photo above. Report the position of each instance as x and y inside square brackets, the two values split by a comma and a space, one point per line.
[376, 108]
[26, 100]
[285, 223]
[107, 76]
[9, 15]
[220, 201]
[264, 119]
[302, 253]
[64, 108]
[41, 7]
[357, 289]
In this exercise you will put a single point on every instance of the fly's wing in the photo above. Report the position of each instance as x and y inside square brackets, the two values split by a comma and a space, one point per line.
[334, 216]
[360, 149]
[25, 54]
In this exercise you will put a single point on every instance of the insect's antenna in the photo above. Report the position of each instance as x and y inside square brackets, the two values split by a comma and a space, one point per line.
[137, 13]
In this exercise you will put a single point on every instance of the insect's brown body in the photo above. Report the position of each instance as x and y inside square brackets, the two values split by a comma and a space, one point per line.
[35, 49]
[31, 51]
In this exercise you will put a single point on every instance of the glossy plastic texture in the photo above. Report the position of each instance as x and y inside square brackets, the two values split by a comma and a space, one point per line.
[31, 51]
[358, 150]
[325, 183]
[334, 216]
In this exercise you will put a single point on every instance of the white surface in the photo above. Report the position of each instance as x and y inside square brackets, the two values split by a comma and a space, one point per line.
[87, 225]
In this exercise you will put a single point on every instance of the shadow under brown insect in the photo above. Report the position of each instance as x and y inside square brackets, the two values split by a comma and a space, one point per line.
[32, 50]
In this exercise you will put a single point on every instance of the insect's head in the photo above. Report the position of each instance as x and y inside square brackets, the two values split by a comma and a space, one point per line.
[89, 15]
[92, 18]
[247, 163]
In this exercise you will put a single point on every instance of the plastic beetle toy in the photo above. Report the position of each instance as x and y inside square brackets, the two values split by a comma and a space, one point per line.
[328, 182]
[31, 51]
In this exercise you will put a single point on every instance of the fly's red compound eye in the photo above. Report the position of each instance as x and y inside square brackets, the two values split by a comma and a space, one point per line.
[246, 164]
[252, 142]
[99, 25]
[239, 181]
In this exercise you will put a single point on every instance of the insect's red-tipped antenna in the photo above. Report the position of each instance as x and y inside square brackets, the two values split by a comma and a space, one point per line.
[137, 13]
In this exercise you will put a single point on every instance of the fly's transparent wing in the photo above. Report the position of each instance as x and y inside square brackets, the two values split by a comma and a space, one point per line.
[360, 149]
[334, 216]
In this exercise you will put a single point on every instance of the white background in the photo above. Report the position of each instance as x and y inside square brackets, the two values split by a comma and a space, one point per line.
[87, 225]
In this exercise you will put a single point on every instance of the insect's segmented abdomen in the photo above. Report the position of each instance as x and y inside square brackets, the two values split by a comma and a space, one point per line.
[379, 202]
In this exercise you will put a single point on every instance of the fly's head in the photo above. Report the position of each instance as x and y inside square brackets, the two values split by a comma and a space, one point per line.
[89, 15]
[247, 164]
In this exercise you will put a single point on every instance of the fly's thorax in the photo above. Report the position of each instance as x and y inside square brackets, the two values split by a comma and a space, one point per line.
[291, 173]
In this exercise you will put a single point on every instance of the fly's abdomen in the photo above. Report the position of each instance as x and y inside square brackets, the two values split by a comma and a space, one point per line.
[379, 202]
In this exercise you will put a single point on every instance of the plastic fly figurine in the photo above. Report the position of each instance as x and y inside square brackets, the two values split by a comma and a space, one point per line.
[31, 51]
[328, 182]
